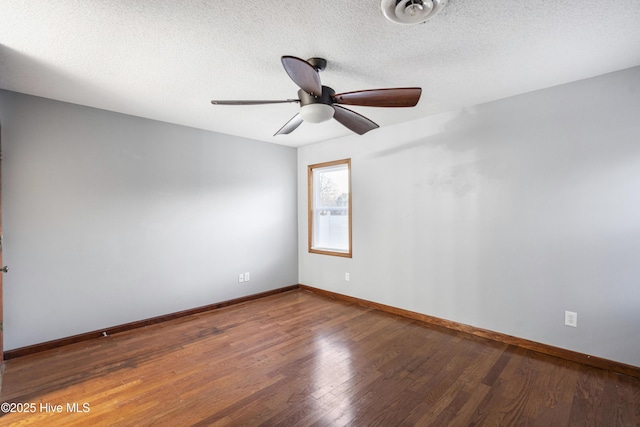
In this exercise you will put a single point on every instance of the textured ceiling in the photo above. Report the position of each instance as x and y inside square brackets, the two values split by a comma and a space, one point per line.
[166, 59]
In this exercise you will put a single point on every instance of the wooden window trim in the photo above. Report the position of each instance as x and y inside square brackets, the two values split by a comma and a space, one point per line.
[310, 169]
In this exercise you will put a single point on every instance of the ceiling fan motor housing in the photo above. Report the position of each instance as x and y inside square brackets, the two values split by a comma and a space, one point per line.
[325, 98]
[409, 12]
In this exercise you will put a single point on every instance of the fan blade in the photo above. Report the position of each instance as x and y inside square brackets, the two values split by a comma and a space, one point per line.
[290, 126]
[354, 121]
[392, 97]
[248, 102]
[303, 74]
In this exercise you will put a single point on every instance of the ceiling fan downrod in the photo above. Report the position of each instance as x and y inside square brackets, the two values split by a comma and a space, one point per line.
[318, 63]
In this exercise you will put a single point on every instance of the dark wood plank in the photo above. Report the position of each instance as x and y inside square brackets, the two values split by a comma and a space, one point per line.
[301, 359]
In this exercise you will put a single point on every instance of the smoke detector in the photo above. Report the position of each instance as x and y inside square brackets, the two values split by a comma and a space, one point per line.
[409, 12]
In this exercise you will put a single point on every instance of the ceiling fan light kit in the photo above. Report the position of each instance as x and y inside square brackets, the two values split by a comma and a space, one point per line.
[409, 12]
[320, 103]
[316, 113]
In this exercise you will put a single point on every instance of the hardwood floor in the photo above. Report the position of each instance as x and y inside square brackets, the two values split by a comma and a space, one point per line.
[300, 359]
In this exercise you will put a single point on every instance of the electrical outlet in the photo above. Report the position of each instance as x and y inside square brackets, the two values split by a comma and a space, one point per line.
[240, 278]
[571, 319]
[247, 276]
[346, 276]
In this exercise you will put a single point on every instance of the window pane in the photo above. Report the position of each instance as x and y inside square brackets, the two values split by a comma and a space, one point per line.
[330, 220]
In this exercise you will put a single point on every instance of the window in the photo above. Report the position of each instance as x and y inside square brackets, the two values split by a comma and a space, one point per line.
[330, 208]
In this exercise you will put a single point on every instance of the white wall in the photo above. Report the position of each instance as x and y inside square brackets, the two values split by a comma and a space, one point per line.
[501, 216]
[110, 218]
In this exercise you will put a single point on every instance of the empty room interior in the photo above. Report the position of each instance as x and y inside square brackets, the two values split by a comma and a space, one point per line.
[382, 212]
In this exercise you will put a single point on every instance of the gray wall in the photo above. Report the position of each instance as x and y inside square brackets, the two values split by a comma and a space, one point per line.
[110, 218]
[501, 216]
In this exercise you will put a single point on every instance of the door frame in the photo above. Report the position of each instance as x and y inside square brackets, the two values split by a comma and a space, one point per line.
[1, 274]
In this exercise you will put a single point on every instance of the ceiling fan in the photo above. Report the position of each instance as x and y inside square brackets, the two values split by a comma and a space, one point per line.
[320, 103]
